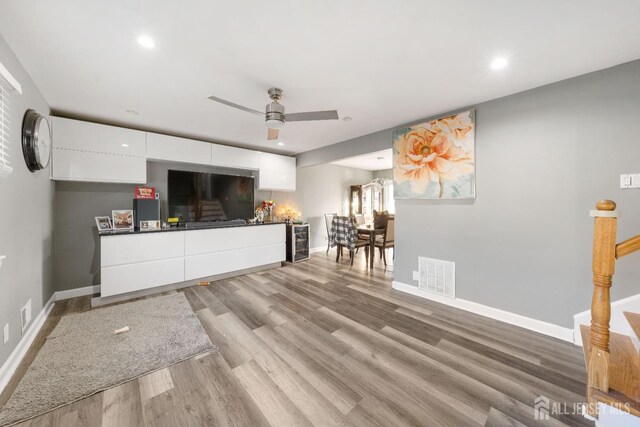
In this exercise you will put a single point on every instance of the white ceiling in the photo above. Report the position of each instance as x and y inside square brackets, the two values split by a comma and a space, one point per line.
[376, 161]
[383, 63]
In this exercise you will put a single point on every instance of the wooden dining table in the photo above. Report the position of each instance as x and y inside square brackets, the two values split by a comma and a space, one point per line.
[368, 230]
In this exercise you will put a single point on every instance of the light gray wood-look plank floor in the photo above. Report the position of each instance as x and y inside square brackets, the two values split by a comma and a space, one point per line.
[323, 343]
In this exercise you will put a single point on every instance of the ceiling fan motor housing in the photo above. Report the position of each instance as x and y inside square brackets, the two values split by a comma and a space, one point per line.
[274, 118]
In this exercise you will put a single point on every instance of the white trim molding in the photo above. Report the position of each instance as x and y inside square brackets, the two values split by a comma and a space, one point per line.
[78, 292]
[6, 75]
[9, 368]
[317, 249]
[550, 329]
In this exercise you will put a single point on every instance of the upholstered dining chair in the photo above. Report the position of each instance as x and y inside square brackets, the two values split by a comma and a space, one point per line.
[328, 218]
[386, 240]
[345, 234]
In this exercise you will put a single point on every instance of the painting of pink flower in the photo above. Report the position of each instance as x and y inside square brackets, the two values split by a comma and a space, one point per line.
[436, 160]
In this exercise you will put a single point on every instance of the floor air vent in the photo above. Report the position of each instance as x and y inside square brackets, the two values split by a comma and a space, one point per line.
[437, 276]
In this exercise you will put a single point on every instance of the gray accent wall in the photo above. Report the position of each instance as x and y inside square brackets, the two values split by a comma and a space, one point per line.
[77, 248]
[26, 218]
[544, 157]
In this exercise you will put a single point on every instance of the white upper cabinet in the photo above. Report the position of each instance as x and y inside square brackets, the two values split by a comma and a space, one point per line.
[277, 172]
[84, 151]
[87, 166]
[90, 152]
[78, 135]
[232, 157]
[174, 149]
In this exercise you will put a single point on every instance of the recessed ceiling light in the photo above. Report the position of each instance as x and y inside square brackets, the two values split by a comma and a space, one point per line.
[281, 143]
[146, 42]
[380, 158]
[499, 62]
[134, 112]
[125, 145]
[346, 119]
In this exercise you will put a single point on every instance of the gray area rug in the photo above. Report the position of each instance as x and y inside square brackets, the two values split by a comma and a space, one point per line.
[82, 356]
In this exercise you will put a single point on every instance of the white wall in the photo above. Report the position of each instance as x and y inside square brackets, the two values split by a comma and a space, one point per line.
[321, 189]
[26, 217]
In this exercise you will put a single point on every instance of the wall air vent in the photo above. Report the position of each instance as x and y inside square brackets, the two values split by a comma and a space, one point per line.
[437, 276]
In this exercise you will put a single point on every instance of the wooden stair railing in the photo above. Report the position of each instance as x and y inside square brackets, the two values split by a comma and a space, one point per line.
[612, 373]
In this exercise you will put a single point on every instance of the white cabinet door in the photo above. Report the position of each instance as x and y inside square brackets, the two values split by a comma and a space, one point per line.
[71, 165]
[174, 149]
[122, 279]
[277, 172]
[85, 136]
[232, 157]
[224, 239]
[211, 264]
[132, 248]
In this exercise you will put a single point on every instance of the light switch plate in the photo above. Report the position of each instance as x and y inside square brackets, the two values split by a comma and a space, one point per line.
[625, 181]
[630, 180]
[416, 275]
[5, 334]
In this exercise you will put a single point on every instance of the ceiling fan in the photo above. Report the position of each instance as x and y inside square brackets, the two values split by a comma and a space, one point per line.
[275, 118]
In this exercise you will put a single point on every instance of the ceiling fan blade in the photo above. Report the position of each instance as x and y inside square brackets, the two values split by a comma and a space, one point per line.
[273, 134]
[234, 105]
[311, 115]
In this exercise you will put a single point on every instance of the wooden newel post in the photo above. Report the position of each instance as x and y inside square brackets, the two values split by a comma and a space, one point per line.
[604, 257]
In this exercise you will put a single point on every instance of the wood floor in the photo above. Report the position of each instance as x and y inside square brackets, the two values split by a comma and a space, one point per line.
[320, 343]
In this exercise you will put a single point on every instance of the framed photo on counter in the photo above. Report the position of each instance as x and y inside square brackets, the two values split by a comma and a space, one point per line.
[149, 225]
[103, 223]
[122, 220]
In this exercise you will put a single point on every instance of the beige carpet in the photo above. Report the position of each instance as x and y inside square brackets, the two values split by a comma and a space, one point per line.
[82, 356]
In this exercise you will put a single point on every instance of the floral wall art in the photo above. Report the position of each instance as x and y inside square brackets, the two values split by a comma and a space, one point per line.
[436, 159]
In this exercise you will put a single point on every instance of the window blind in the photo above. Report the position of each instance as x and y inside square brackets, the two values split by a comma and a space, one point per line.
[8, 86]
[5, 104]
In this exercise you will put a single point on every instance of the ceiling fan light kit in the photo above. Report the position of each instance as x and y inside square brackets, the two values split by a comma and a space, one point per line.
[274, 115]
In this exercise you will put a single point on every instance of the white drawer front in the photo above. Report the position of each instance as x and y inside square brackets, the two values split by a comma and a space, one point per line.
[224, 239]
[133, 248]
[85, 136]
[224, 262]
[163, 147]
[69, 165]
[121, 279]
[232, 157]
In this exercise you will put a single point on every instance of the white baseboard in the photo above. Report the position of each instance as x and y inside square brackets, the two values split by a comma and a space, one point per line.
[556, 331]
[317, 249]
[618, 322]
[78, 292]
[9, 368]
[11, 364]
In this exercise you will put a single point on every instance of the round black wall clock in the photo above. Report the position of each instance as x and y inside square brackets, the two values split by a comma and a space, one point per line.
[36, 140]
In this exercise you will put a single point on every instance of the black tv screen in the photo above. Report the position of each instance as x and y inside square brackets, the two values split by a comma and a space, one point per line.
[201, 197]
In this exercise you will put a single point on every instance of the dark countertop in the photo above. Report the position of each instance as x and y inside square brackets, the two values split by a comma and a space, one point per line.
[203, 226]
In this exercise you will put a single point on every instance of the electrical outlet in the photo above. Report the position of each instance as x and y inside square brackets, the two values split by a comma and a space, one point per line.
[5, 334]
[25, 315]
[416, 275]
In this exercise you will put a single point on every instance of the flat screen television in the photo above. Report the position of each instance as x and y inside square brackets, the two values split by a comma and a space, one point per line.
[204, 197]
